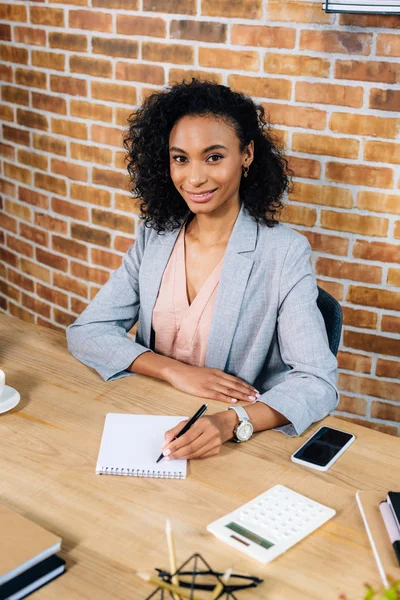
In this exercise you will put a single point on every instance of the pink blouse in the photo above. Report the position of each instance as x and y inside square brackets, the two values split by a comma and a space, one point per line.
[181, 330]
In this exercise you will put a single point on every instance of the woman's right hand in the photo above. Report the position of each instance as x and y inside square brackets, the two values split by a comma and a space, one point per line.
[210, 383]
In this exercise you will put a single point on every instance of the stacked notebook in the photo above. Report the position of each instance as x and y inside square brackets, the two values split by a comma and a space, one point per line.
[27, 556]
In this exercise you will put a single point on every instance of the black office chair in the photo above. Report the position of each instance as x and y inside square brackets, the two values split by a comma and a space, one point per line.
[333, 317]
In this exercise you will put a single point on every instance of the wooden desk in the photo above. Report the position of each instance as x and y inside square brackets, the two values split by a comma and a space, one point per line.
[111, 525]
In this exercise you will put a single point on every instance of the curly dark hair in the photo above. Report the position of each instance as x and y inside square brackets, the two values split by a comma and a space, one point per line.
[147, 144]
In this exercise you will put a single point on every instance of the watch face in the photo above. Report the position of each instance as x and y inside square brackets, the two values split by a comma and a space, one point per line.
[244, 431]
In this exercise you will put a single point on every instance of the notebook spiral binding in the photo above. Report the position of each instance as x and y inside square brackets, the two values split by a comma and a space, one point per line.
[139, 473]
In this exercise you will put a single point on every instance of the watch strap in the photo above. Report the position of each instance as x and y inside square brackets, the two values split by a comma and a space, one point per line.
[241, 413]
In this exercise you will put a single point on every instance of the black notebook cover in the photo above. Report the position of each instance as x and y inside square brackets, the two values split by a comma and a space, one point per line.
[33, 578]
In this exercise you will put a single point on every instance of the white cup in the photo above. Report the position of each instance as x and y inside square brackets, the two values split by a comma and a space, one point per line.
[2, 382]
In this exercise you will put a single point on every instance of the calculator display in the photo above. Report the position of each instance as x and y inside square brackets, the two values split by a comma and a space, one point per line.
[253, 537]
[323, 446]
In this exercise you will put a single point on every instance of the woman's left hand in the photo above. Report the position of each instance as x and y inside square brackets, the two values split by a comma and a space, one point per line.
[204, 438]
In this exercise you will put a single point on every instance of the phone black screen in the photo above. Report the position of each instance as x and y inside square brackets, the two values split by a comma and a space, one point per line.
[323, 446]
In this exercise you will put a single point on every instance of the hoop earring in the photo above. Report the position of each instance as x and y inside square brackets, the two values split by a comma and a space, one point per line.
[245, 171]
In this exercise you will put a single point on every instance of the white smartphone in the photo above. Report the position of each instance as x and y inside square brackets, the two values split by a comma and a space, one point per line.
[322, 449]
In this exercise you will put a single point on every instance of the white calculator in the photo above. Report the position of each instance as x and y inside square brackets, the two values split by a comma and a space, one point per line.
[271, 523]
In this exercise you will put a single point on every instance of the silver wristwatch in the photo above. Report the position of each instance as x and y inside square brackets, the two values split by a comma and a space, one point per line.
[244, 429]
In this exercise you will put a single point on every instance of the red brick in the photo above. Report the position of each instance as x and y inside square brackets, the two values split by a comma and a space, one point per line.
[89, 273]
[19, 136]
[124, 4]
[21, 313]
[68, 41]
[109, 178]
[359, 174]
[8, 290]
[370, 386]
[297, 12]
[393, 277]
[91, 195]
[51, 184]
[286, 64]
[148, 26]
[35, 305]
[52, 260]
[381, 251]
[49, 144]
[125, 94]
[385, 411]
[13, 54]
[12, 12]
[115, 47]
[31, 78]
[105, 259]
[352, 404]
[77, 306]
[388, 368]
[228, 59]
[113, 221]
[68, 169]
[262, 36]
[296, 116]
[7, 151]
[15, 95]
[50, 223]
[37, 236]
[325, 145]
[169, 53]
[6, 73]
[33, 159]
[62, 317]
[14, 172]
[122, 244]
[98, 67]
[48, 60]
[52, 295]
[388, 44]
[20, 280]
[19, 210]
[184, 7]
[140, 73]
[68, 209]
[31, 197]
[90, 20]
[69, 128]
[6, 113]
[387, 152]
[385, 100]
[30, 35]
[364, 125]
[34, 269]
[126, 204]
[299, 215]
[90, 235]
[339, 42]
[70, 284]
[261, 87]
[68, 85]
[90, 110]
[70, 247]
[201, 31]
[348, 270]
[8, 222]
[7, 188]
[332, 287]
[374, 297]
[359, 318]
[121, 116]
[390, 323]
[43, 15]
[390, 430]
[19, 246]
[5, 32]
[378, 202]
[3, 304]
[387, 21]
[32, 119]
[328, 93]
[9, 257]
[385, 72]
[304, 167]
[242, 9]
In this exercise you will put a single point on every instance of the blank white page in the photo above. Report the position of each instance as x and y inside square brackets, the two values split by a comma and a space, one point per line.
[131, 445]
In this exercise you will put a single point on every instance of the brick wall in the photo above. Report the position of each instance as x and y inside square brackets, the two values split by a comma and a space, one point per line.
[71, 73]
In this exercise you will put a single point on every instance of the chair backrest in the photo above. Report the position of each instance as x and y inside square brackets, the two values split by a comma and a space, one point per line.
[333, 317]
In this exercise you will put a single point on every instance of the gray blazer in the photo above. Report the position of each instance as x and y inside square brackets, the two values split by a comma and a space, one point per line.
[266, 327]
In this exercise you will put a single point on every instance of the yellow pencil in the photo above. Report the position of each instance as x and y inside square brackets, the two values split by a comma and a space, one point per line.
[220, 585]
[182, 592]
[172, 557]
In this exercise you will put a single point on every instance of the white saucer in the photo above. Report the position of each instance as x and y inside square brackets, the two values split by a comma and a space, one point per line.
[9, 399]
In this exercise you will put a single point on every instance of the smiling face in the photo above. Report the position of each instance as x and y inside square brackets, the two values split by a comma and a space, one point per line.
[206, 163]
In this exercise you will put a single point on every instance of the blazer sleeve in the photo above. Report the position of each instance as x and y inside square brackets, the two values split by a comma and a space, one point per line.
[309, 390]
[98, 337]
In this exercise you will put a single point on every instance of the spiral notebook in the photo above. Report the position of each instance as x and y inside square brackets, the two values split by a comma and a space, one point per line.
[131, 445]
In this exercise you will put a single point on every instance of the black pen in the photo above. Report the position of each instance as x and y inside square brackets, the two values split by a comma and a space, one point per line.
[188, 425]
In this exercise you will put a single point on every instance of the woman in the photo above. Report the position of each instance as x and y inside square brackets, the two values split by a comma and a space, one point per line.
[224, 295]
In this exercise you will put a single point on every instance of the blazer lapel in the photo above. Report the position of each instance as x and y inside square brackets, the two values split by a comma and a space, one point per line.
[151, 272]
[235, 273]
